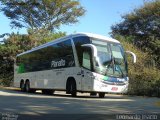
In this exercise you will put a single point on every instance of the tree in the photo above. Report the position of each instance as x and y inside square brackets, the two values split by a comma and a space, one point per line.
[41, 14]
[42, 36]
[143, 26]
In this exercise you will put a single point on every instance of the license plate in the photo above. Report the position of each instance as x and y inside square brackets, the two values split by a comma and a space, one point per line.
[114, 88]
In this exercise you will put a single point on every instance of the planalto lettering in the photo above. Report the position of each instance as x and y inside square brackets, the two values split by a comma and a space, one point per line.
[60, 63]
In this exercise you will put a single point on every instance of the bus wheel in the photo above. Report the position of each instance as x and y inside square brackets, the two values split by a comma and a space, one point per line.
[73, 88]
[101, 95]
[27, 86]
[22, 86]
[68, 87]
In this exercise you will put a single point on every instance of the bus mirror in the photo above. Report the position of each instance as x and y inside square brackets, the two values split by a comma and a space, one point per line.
[94, 49]
[133, 56]
[95, 53]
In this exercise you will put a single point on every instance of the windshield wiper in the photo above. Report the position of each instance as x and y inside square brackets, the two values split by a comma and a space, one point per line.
[120, 70]
[110, 65]
[114, 65]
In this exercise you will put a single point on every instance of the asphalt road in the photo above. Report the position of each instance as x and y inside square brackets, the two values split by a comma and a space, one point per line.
[19, 105]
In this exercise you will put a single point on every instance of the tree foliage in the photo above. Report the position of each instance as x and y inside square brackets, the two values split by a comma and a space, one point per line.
[38, 14]
[143, 26]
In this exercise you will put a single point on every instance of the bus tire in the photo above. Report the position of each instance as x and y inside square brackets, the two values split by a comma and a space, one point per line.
[22, 86]
[73, 88]
[27, 86]
[68, 87]
[101, 95]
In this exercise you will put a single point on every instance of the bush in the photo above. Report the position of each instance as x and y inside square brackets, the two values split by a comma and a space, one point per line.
[6, 80]
[144, 76]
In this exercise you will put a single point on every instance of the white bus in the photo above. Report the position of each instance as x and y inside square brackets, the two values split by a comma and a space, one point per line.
[81, 62]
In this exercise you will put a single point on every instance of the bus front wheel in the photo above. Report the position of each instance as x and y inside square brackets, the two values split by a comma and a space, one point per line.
[73, 88]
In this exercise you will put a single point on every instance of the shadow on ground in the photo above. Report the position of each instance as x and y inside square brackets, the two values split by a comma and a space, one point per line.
[38, 105]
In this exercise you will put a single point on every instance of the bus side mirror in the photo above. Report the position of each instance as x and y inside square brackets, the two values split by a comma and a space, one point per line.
[94, 51]
[133, 56]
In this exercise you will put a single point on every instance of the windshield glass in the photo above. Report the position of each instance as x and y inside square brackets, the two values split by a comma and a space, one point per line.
[111, 58]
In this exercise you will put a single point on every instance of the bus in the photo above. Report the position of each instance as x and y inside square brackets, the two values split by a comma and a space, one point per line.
[81, 62]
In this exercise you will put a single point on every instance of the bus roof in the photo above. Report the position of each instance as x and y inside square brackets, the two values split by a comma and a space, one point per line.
[104, 38]
[101, 37]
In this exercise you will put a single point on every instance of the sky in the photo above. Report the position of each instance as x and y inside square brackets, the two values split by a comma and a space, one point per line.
[99, 17]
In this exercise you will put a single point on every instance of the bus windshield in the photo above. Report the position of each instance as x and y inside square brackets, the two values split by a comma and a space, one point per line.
[111, 57]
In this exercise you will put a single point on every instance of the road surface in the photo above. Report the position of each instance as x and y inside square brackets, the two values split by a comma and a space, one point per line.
[37, 105]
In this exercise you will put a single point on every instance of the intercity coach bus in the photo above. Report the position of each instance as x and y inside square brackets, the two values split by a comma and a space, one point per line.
[81, 62]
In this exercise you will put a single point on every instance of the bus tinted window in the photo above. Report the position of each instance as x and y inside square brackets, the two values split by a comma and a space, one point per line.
[58, 55]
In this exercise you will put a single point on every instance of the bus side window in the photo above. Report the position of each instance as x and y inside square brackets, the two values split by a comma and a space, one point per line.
[78, 41]
[86, 61]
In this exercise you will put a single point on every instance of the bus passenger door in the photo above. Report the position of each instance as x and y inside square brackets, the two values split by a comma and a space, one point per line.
[87, 67]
